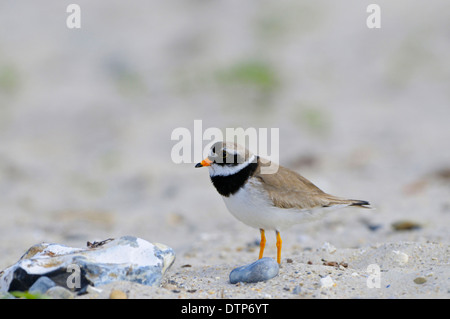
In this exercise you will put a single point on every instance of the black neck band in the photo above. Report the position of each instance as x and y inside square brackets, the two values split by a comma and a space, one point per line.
[230, 184]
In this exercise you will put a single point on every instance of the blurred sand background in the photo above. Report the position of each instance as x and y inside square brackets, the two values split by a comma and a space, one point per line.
[86, 117]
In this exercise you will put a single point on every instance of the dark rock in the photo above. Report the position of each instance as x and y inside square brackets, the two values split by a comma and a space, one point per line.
[406, 225]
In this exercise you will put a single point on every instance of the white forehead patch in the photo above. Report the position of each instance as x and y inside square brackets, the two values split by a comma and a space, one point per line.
[231, 148]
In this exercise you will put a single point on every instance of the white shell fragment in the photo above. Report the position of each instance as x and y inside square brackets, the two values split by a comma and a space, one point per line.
[127, 258]
[327, 282]
[328, 248]
[400, 257]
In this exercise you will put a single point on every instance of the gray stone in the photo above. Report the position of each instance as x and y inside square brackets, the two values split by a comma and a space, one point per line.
[260, 270]
[41, 285]
[127, 258]
[58, 292]
[297, 290]
[6, 295]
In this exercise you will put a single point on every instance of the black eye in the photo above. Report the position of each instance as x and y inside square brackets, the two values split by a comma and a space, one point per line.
[214, 149]
[224, 154]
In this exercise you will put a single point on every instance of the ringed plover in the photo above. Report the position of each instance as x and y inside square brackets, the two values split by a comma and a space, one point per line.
[266, 201]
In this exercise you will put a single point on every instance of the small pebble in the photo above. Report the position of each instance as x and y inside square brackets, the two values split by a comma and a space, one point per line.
[41, 285]
[371, 226]
[260, 270]
[374, 227]
[297, 290]
[405, 225]
[420, 280]
[117, 294]
[59, 292]
[331, 263]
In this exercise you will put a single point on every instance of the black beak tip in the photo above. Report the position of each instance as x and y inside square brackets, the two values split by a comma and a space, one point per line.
[198, 165]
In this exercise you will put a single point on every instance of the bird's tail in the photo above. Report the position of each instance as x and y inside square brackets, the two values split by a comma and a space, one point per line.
[361, 203]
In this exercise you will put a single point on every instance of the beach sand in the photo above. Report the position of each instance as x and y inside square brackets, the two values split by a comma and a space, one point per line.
[87, 116]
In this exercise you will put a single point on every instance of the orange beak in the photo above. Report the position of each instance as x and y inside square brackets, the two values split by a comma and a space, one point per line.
[205, 162]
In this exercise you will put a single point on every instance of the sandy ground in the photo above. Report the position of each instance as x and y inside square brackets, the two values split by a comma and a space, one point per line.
[86, 118]
[424, 275]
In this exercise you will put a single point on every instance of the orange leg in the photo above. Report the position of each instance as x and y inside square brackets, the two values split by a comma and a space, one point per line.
[262, 243]
[279, 242]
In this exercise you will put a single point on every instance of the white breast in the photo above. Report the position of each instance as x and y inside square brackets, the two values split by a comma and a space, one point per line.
[252, 206]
